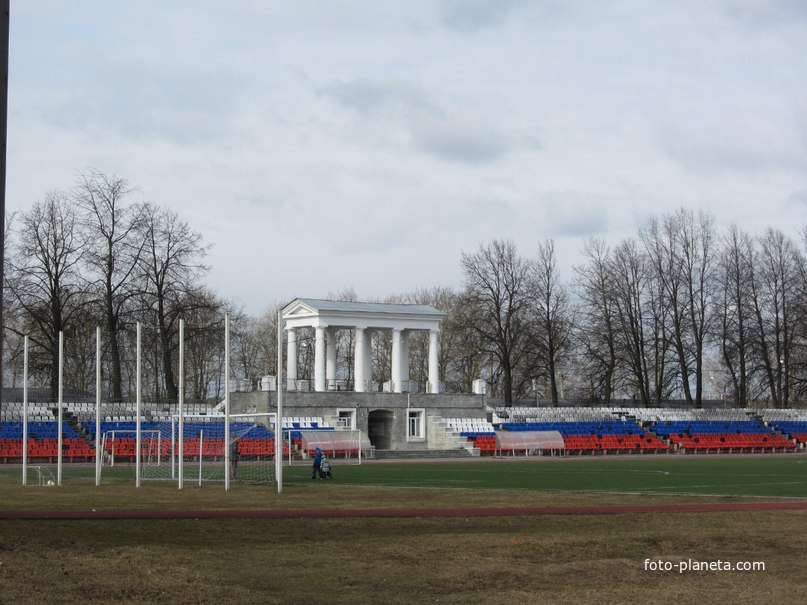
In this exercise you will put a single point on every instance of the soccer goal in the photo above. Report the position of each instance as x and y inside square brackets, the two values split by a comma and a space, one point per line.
[40, 475]
[346, 446]
[119, 444]
[200, 451]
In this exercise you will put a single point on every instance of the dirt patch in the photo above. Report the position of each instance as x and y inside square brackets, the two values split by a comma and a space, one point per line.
[702, 507]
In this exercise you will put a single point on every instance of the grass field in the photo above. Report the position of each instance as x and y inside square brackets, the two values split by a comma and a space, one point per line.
[761, 477]
[542, 559]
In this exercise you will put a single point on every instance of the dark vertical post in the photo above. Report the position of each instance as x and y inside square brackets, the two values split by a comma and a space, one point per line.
[4, 18]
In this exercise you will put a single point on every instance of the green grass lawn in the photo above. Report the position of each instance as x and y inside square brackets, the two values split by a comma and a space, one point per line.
[746, 476]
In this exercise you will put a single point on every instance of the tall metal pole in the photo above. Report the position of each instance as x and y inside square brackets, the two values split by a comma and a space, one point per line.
[180, 404]
[98, 452]
[227, 402]
[25, 411]
[59, 402]
[279, 418]
[138, 411]
[4, 28]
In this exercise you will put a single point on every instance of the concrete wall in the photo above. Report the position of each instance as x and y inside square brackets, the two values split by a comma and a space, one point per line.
[327, 404]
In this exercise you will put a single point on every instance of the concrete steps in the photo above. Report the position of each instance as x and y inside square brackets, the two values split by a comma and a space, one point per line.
[421, 454]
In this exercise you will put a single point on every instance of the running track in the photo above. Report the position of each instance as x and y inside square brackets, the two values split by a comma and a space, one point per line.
[707, 507]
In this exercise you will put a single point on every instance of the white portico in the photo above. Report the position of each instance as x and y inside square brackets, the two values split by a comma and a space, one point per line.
[326, 317]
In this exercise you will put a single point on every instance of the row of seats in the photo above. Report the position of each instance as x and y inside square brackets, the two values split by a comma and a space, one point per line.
[36, 430]
[772, 415]
[795, 429]
[85, 412]
[579, 444]
[578, 414]
[632, 429]
[555, 414]
[79, 450]
[614, 443]
[744, 441]
[485, 443]
[120, 407]
[675, 414]
[670, 427]
[45, 430]
[305, 422]
[614, 427]
[190, 429]
[210, 448]
[470, 426]
[73, 449]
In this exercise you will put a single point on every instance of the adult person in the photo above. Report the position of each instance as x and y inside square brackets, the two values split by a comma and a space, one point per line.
[317, 462]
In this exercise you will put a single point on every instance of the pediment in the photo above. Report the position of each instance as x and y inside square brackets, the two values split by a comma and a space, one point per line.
[299, 309]
[312, 312]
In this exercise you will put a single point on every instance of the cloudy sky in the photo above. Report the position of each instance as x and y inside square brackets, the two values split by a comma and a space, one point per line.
[321, 145]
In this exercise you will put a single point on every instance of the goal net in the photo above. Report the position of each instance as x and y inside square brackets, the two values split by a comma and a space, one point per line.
[201, 452]
[346, 446]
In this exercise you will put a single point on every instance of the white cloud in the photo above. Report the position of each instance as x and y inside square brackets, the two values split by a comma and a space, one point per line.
[367, 144]
[409, 117]
[569, 214]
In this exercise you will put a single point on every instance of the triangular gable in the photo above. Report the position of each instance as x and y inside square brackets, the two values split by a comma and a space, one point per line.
[298, 308]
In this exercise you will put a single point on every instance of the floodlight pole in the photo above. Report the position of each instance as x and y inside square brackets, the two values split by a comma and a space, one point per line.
[98, 452]
[227, 402]
[201, 451]
[25, 411]
[61, 412]
[279, 419]
[180, 405]
[4, 31]
[138, 409]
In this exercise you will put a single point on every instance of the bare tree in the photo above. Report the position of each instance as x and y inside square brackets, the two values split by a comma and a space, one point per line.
[115, 245]
[45, 277]
[680, 250]
[12, 331]
[630, 279]
[773, 295]
[170, 270]
[799, 354]
[698, 261]
[552, 314]
[203, 313]
[254, 344]
[596, 332]
[735, 310]
[496, 306]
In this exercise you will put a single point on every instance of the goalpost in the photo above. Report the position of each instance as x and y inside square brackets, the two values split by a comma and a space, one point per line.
[348, 446]
[120, 443]
[205, 447]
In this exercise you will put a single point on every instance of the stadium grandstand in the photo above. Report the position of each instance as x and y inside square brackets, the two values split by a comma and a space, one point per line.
[558, 431]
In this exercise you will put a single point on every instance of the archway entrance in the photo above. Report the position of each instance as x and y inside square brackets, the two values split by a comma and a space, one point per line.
[379, 429]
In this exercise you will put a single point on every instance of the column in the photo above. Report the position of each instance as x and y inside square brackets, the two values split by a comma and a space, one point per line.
[396, 361]
[359, 376]
[368, 357]
[434, 361]
[319, 360]
[291, 357]
[405, 359]
[330, 358]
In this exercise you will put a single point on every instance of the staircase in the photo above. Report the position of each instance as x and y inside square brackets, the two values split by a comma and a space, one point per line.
[72, 420]
[421, 454]
[443, 438]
